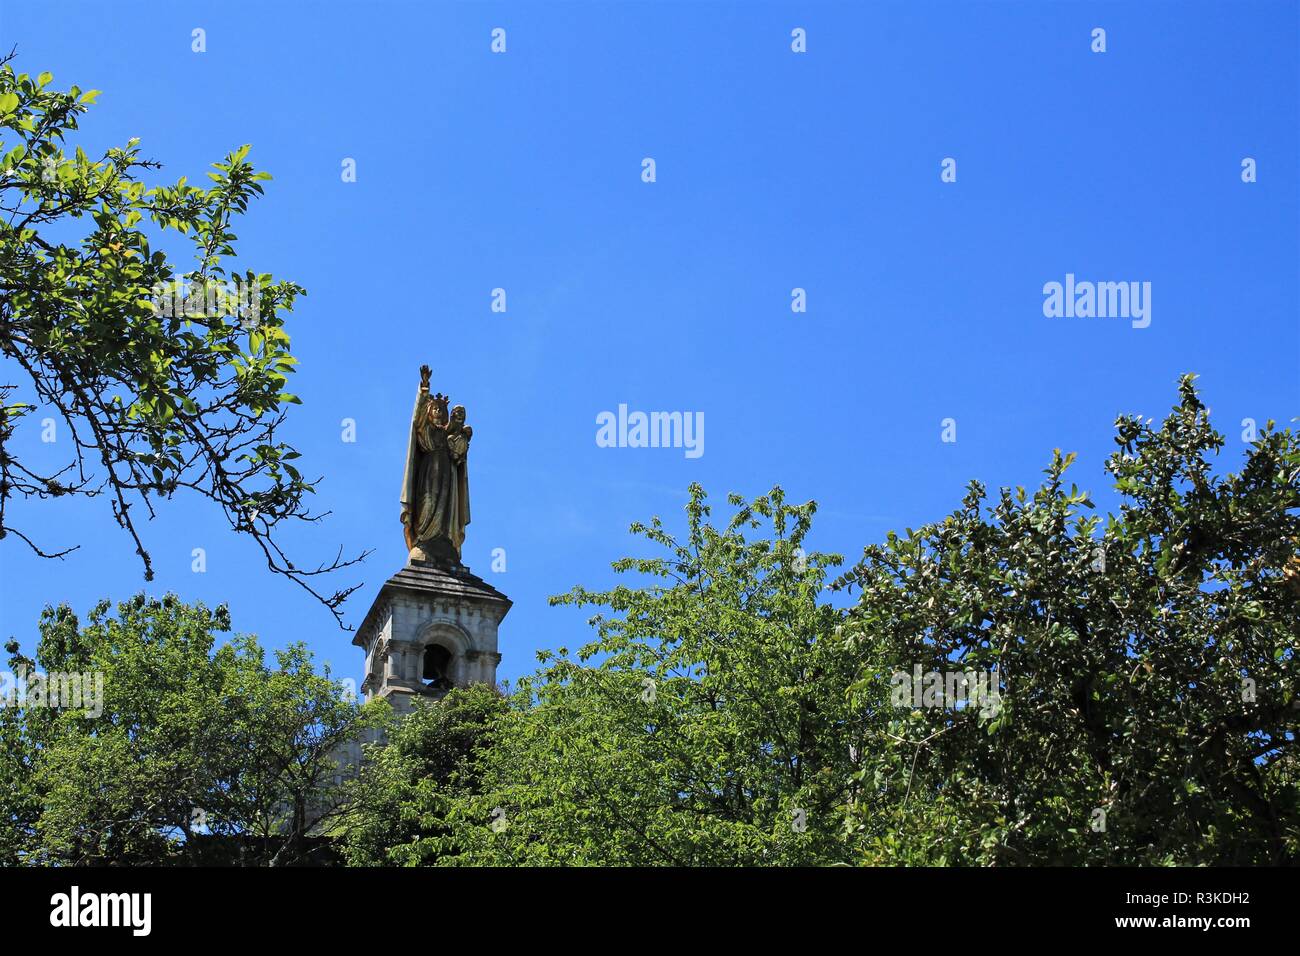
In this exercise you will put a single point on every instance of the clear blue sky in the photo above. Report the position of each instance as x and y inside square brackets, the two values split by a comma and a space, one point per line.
[775, 170]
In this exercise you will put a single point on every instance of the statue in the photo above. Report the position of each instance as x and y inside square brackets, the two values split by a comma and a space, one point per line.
[435, 487]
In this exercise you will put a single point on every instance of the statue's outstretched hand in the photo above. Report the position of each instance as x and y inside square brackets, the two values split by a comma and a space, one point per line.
[425, 372]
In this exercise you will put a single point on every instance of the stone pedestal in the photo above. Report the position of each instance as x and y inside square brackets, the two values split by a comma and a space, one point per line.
[430, 603]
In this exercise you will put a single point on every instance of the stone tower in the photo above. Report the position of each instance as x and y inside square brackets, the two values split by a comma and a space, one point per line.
[433, 626]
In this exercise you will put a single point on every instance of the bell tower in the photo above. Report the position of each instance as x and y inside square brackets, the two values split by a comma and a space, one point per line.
[432, 627]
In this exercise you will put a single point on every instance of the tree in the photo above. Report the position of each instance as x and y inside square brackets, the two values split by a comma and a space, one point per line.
[398, 806]
[164, 378]
[1147, 667]
[706, 723]
[1141, 706]
[1138, 676]
[186, 753]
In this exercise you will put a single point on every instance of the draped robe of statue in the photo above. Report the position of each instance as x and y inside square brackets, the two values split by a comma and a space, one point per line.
[435, 488]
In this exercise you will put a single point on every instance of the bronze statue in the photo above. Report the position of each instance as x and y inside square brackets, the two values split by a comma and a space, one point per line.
[435, 488]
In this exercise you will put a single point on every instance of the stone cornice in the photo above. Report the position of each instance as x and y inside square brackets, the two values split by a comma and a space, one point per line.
[427, 581]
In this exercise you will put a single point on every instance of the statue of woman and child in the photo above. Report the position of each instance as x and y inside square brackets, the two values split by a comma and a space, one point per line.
[435, 487]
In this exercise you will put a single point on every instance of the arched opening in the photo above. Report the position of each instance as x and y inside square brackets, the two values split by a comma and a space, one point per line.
[436, 672]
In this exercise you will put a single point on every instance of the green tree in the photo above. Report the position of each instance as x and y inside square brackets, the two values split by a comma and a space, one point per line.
[1148, 665]
[400, 803]
[726, 713]
[155, 395]
[190, 745]
[707, 722]
[20, 800]
[1144, 667]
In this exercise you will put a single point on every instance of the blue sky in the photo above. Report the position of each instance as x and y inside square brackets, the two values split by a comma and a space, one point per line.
[775, 170]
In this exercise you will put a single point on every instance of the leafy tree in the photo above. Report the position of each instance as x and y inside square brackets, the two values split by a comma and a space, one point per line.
[707, 722]
[725, 713]
[1148, 709]
[190, 747]
[291, 735]
[1145, 669]
[399, 805]
[157, 393]
[20, 800]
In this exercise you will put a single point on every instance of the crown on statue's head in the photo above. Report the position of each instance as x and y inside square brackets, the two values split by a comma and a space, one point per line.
[440, 400]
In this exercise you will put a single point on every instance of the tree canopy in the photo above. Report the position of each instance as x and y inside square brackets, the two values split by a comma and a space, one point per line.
[727, 712]
[164, 377]
[738, 705]
[193, 753]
